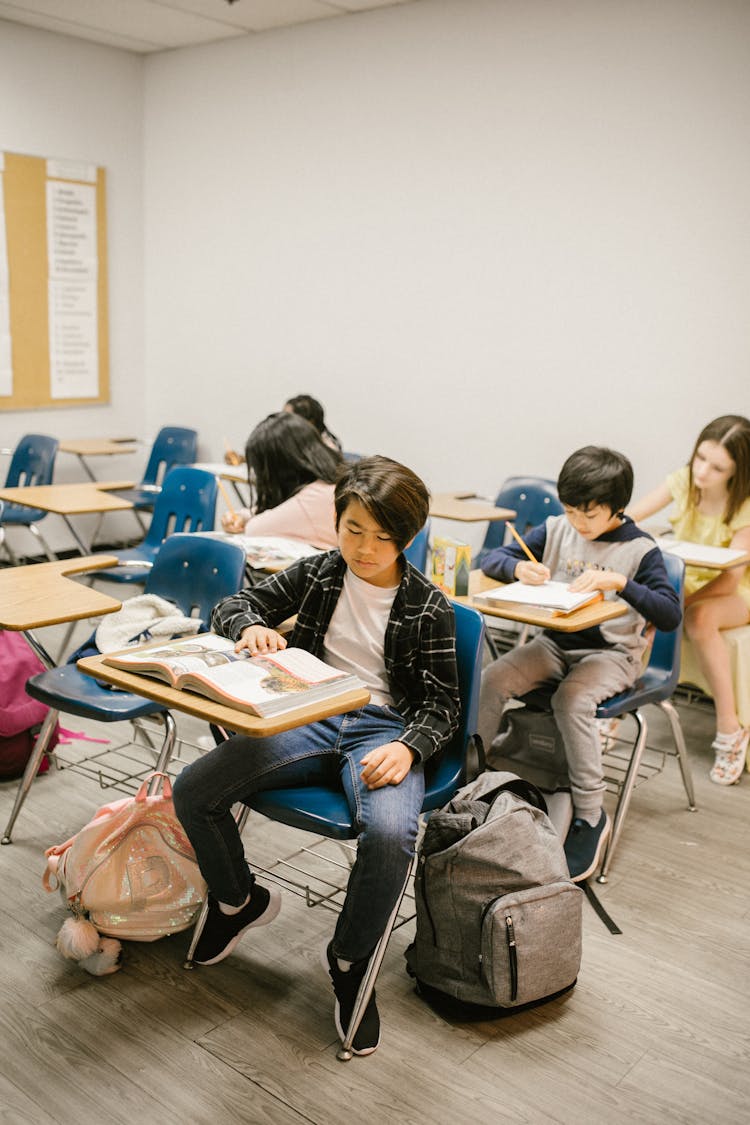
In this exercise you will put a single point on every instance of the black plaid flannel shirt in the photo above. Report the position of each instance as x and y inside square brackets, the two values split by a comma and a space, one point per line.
[419, 644]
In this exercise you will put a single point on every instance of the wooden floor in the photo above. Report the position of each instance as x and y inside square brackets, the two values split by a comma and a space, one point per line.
[656, 1029]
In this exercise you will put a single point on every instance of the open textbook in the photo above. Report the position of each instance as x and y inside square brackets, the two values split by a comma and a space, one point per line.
[265, 685]
[700, 554]
[267, 552]
[555, 596]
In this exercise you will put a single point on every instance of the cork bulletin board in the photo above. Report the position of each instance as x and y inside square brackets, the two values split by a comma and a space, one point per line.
[54, 341]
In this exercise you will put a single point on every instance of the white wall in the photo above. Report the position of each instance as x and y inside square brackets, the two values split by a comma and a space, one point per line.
[61, 97]
[483, 233]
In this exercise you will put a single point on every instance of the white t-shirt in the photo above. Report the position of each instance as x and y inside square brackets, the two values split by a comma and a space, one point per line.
[356, 635]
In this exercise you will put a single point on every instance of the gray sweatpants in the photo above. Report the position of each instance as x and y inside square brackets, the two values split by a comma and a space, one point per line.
[585, 677]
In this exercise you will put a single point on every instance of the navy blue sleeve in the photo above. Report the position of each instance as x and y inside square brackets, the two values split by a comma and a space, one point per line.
[651, 593]
[502, 562]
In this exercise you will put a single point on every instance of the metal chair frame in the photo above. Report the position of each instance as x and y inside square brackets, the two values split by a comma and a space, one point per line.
[32, 463]
[193, 572]
[655, 685]
[324, 811]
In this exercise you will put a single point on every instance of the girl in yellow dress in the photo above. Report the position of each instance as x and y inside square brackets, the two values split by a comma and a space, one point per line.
[712, 506]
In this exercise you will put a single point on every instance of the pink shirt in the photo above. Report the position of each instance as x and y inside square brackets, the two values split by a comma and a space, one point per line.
[309, 516]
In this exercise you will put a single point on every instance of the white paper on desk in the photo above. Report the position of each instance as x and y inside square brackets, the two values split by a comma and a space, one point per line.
[700, 552]
[262, 551]
[550, 595]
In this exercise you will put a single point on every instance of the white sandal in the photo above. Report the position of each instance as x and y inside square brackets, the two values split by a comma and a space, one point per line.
[730, 760]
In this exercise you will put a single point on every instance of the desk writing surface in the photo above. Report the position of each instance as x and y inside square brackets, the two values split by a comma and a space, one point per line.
[228, 717]
[96, 447]
[584, 618]
[70, 499]
[467, 508]
[699, 554]
[42, 593]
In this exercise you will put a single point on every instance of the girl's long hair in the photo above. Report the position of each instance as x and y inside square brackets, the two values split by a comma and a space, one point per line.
[733, 432]
[283, 454]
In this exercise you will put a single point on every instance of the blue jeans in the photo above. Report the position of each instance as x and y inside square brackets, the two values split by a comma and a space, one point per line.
[328, 752]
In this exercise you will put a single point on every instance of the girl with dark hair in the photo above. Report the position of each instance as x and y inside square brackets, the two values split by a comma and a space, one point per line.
[712, 498]
[292, 476]
[309, 408]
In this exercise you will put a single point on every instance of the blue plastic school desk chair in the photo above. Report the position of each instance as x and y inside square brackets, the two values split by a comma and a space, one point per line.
[656, 685]
[186, 502]
[193, 572]
[324, 811]
[32, 463]
[531, 498]
[417, 550]
[173, 445]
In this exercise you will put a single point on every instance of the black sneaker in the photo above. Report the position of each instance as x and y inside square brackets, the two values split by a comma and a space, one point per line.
[583, 846]
[346, 986]
[222, 931]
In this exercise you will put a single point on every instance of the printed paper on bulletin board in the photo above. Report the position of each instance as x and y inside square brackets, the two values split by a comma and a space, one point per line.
[54, 336]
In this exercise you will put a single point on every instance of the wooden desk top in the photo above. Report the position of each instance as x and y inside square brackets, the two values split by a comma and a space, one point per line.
[97, 447]
[583, 618]
[467, 508]
[42, 594]
[70, 499]
[227, 717]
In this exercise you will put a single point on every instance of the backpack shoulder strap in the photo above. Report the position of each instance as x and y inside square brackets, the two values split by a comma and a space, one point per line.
[523, 789]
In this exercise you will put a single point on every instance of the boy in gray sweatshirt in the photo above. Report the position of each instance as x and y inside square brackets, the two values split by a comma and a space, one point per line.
[594, 546]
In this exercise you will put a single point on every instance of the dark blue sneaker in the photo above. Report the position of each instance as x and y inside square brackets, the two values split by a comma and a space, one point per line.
[584, 846]
[345, 987]
[221, 932]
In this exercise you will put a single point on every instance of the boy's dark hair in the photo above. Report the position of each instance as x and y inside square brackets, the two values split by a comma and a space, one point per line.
[596, 475]
[283, 454]
[393, 495]
[733, 432]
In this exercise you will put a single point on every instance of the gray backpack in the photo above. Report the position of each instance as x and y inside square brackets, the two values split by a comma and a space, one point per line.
[498, 918]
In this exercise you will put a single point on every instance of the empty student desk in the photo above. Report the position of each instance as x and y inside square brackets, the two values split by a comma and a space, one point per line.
[71, 500]
[466, 507]
[84, 448]
[44, 594]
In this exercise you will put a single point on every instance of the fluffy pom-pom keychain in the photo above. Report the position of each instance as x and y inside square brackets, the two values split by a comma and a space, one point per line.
[80, 941]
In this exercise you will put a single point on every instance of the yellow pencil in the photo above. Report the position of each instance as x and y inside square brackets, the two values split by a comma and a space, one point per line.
[520, 541]
[225, 494]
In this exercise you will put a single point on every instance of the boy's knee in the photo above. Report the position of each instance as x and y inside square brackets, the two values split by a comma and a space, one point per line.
[185, 796]
[498, 679]
[572, 697]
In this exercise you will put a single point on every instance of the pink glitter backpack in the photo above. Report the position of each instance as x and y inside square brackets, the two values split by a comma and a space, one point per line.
[131, 871]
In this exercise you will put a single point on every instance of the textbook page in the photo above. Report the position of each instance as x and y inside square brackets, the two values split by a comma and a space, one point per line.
[266, 684]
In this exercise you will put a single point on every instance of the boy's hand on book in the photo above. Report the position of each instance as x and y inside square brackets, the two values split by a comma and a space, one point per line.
[386, 765]
[531, 573]
[259, 639]
[592, 580]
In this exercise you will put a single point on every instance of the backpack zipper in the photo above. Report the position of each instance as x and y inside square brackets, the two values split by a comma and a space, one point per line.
[423, 884]
[512, 957]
